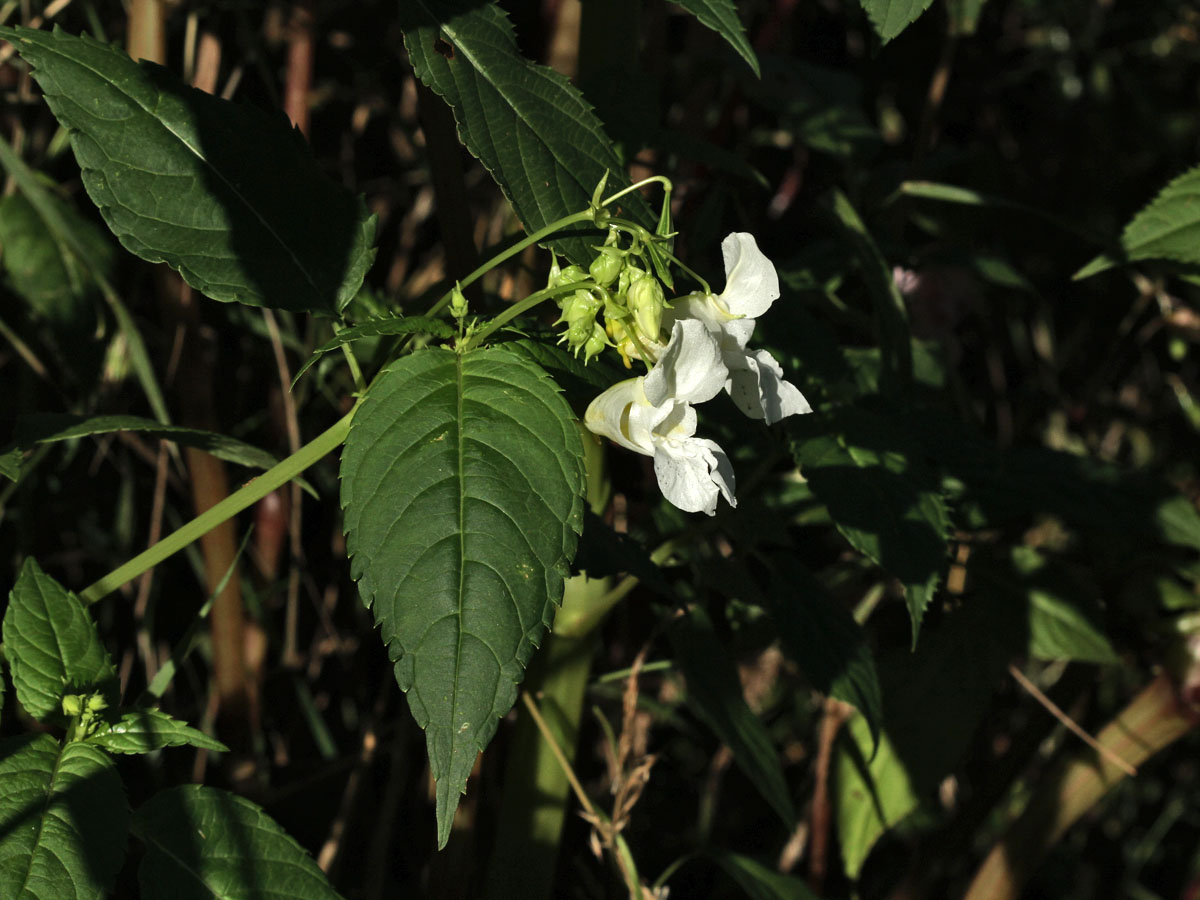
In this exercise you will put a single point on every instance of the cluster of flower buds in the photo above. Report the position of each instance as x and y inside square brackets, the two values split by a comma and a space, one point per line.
[628, 296]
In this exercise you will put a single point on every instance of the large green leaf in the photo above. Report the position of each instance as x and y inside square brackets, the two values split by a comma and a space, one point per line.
[63, 820]
[529, 127]
[42, 269]
[207, 844]
[1169, 228]
[722, 17]
[823, 639]
[462, 481]
[144, 730]
[52, 645]
[714, 692]
[226, 194]
[881, 495]
[44, 428]
[890, 17]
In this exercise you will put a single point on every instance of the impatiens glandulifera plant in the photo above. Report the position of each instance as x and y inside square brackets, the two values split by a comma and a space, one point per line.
[462, 474]
[482, 527]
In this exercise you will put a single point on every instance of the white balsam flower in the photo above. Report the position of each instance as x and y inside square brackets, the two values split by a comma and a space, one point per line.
[653, 415]
[755, 379]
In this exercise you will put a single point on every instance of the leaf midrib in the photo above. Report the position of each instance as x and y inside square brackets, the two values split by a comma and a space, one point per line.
[462, 543]
[481, 70]
[37, 841]
[208, 165]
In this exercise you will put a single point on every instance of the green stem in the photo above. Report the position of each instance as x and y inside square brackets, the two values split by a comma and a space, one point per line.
[523, 306]
[540, 235]
[277, 475]
[660, 179]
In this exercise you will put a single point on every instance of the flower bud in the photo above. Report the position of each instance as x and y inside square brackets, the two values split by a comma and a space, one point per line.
[596, 343]
[569, 275]
[458, 303]
[72, 705]
[646, 301]
[607, 266]
[579, 313]
[96, 703]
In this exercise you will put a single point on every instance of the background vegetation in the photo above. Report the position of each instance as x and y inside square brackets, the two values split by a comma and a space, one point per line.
[1025, 511]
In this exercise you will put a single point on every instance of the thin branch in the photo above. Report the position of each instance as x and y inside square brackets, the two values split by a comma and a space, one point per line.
[1070, 723]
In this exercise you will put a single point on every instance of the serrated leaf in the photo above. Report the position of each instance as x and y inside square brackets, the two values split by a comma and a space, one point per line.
[1169, 228]
[714, 693]
[63, 821]
[42, 269]
[207, 844]
[823, 639]
[882, 497]
[462, 482]
[722, 17]
[760, 882]
[44, 428]
[934, 699]
[145, 730]
[226, 194]
[890, 17]
[439, 328]
[526, 123]
[52, 645]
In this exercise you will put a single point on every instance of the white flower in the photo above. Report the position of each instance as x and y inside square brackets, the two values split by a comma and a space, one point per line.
[653, 415]
[755, 379]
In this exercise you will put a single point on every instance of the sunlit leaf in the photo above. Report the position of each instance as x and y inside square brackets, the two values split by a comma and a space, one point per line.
[722, 17]
[1169, 228]
[462, 482]
[527, 124]
[52, 645]
[890, 17]
[224, 193]
[144, 730]
[207, 844]
[63, 820]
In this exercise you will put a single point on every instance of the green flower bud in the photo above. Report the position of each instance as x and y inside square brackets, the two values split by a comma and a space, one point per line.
[596, 343]
[579, 313]
[646, 301]
[458, 303]
[569, 275]
[96, 702]
[607, 266]
[72, 705]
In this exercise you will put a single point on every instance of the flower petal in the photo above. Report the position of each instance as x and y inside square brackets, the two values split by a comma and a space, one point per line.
[690, 369]
[751, 283]
[758, 389]
[619, 415]
[691, 472]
